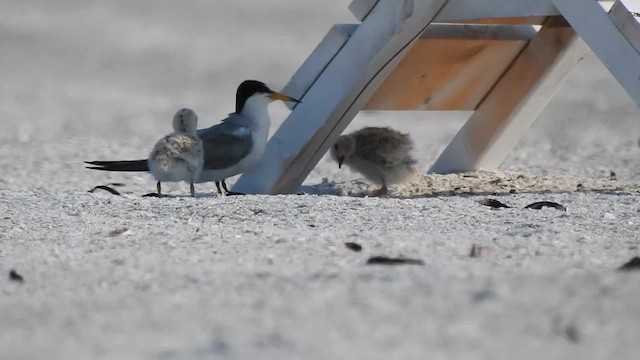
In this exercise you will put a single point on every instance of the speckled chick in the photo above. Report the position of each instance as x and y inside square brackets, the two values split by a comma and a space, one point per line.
[179, 155]
[380, 154]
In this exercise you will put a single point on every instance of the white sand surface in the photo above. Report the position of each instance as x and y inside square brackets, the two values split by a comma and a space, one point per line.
[269, 277]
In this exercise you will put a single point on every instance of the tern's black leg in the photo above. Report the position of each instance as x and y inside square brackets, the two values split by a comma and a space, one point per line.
[159, 189]
[218, 187]
[193, 190]
[229, 193]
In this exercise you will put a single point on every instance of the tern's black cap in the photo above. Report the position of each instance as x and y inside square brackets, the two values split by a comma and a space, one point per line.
[247, 89]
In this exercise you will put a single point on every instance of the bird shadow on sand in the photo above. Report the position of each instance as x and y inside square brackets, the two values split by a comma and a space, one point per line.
[481, 183]
[110, 189]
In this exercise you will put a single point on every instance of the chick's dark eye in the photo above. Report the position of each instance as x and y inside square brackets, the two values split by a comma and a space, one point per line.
[335, 146]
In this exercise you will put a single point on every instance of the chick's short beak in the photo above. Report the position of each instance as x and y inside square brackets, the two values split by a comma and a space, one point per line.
[283, 97]
[340, 161]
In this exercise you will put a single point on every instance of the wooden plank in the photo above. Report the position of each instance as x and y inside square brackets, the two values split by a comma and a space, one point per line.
[338, 94]
[478, 32]
[483, 11]
[457, 10]
[616, 52]
[626, 23]
[445, 75]
[494, 9]
[451, 67]
[361, 8]
[317, 61]
[516, 100]
[527, 20]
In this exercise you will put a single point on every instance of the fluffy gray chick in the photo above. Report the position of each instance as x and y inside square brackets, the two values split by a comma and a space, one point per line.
[178, 156]
[380, 154]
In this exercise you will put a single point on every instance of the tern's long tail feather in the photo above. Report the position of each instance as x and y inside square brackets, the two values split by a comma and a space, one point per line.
[123, 165]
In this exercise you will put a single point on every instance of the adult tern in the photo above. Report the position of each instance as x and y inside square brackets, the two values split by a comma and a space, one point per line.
[231, 147]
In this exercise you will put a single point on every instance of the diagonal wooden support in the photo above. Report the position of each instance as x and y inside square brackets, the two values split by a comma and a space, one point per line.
[607, 37]
[514, 102]
[340, 91]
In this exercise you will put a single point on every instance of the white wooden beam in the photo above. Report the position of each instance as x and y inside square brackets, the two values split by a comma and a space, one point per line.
[338, 94]
[626, 23]
[617, 52]
[361, 8]
[478, 32]
[460, 10]
[515, 101]
[317, 61]
[457, 10]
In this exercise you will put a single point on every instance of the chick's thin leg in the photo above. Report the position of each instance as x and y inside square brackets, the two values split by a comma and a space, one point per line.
[382, 191]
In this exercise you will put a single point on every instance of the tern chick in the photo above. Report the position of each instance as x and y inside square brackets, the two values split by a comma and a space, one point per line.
[382, 155]
[179, 155]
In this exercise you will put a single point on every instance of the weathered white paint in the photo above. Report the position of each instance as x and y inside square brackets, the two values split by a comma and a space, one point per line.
[457, 10]
[361, 8]
[320, 57]
[473, 9]
[478, 31]
[626, 23]
[603, 37]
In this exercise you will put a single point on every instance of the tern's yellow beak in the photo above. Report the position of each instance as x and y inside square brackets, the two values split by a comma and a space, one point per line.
[283, 97]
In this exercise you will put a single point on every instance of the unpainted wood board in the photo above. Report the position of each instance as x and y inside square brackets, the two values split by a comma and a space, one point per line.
[445, 75]
[514, 102]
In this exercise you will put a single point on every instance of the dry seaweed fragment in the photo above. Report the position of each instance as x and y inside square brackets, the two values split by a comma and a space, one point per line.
[633, 264]
[353, 246]
[540, 204]
[493, 203]
[14, 276]
[117, 232]
[479, 251]
[107, 188]
[384, 260]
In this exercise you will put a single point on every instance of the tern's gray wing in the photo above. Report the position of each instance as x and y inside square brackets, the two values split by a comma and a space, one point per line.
[225, 144]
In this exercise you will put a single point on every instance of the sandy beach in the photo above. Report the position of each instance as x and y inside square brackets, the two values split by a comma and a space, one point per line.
[270, 277]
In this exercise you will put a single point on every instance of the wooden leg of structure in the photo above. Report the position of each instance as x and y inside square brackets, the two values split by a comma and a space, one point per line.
[613, 37]
[515, 101]
[342, 88]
